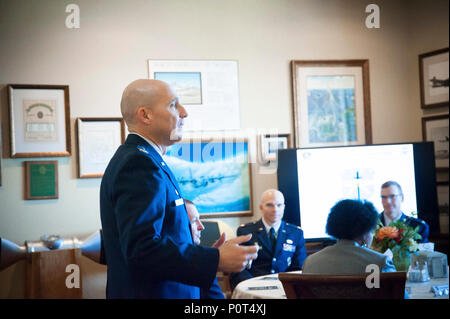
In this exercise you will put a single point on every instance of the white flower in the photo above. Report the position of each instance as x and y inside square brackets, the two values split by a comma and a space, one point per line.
[412, 244]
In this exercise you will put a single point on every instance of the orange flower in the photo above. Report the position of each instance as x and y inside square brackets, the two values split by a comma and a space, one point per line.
[390, 232]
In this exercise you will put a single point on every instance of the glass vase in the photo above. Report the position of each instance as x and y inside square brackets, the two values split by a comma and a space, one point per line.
[401, 259]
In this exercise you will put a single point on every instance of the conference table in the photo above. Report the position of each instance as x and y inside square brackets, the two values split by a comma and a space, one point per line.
[269, 287]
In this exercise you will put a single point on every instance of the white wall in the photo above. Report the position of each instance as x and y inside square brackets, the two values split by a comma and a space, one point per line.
[117, 37]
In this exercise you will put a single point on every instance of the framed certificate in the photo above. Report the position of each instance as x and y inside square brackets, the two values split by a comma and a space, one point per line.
[39, 120]
[41, 180]
[98, 140]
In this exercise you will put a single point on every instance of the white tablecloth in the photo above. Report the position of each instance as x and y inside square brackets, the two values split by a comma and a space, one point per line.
[269, 287]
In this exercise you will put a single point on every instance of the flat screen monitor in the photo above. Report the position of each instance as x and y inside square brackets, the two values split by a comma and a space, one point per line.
[314, 179]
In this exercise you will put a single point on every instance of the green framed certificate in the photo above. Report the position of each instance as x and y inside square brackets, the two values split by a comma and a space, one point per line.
[41, 180]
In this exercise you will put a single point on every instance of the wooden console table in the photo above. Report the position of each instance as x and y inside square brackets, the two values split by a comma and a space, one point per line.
[46, 274]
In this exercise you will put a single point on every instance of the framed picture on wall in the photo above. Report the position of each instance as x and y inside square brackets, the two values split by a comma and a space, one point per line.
[39, 120]
[331, 103]
[433, 72]
[208, 89]
[435, 129]
[442, 192]
[98, 140]
[0, 154]
[41, 180]
[270, 144]
[214, 174]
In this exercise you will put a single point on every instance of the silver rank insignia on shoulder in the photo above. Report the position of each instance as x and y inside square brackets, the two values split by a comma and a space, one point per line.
[143, 150]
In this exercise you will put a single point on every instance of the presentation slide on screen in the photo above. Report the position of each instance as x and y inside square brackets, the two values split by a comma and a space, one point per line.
[327, 175]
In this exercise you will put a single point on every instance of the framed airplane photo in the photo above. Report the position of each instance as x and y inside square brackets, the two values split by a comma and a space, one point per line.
[433, 72]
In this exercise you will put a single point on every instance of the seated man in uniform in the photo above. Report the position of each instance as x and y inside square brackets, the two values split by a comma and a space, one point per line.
[214, 291]
[282, 245]
[392, 198]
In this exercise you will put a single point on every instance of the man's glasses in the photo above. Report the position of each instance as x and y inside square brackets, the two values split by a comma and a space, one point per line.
[390, 196]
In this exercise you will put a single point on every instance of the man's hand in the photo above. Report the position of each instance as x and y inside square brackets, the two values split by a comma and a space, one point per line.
[234, 258]
[219, 242]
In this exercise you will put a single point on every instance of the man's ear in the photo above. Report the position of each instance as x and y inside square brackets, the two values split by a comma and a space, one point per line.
[144, 115]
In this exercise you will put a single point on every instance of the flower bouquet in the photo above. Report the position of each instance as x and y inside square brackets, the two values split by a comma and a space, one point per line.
[400, 239]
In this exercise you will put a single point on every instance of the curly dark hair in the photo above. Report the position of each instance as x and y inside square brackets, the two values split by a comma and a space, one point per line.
[350, 219]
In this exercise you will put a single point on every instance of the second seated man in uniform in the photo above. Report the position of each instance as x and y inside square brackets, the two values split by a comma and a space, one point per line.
[392, 199]
[282, 245]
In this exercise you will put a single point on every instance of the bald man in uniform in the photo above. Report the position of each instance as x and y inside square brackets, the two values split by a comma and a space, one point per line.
[282, 245]
[148, 244]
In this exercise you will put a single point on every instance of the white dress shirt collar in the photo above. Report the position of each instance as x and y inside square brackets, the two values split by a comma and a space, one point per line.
[388, 221]
[276, 227]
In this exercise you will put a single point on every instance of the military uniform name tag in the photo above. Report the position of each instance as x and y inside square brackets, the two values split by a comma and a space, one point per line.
[288, 247]
[179, 202]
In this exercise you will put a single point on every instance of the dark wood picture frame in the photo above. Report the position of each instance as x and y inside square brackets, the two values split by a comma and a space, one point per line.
[37, 177]
[328, 66]
[99, 174]
[1, 153]
[27, 149]
[424, 77]
[442, 156]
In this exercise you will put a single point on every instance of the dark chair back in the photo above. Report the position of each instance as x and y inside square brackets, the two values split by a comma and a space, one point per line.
[314, 286]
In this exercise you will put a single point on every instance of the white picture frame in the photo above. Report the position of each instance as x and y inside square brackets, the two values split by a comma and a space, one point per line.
[98, 140]
[208, 89]
[270, 144]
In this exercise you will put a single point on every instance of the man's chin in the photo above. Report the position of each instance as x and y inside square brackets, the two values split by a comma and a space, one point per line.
[176, 135]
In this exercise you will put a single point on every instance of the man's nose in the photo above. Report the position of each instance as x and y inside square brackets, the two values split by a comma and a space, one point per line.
[182, 111]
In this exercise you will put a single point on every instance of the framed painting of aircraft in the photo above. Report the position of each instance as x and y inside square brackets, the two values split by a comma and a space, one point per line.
[433, 72]
[215, 174]
[435, 129]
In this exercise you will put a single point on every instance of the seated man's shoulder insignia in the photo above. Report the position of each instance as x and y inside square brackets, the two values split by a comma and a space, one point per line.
[293, 226]
[246, 225]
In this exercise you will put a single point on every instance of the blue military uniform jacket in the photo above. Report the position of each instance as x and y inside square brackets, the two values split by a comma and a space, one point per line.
[213, 292]
[289, 255]
[424, 229]
[146, 230]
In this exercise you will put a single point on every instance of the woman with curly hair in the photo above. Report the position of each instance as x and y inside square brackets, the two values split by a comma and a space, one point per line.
[352, 223]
